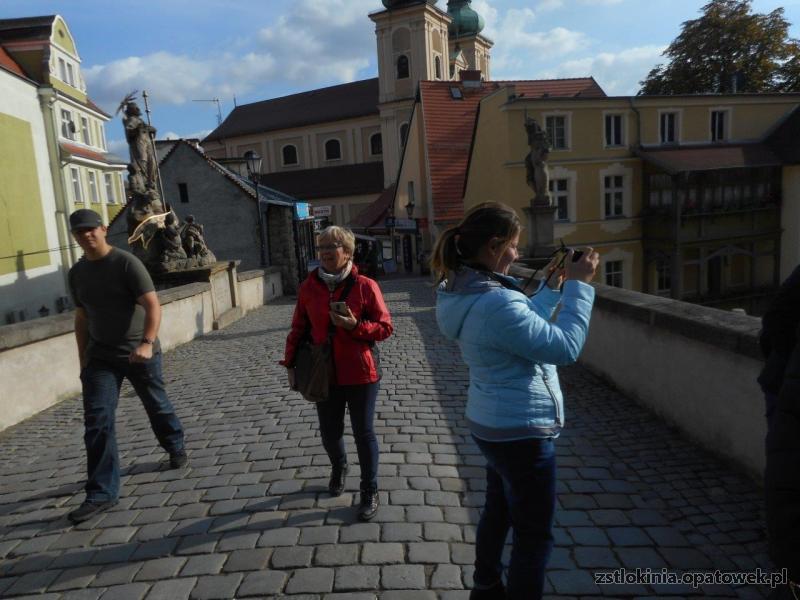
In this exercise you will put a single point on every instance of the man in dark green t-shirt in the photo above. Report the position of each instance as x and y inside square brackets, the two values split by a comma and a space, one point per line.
[117, 316]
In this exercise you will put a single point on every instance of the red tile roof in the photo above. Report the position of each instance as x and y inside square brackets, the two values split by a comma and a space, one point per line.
[449, 126]
[10, 64]
[710, 157]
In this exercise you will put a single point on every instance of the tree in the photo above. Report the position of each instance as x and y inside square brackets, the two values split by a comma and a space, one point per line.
[729, 48]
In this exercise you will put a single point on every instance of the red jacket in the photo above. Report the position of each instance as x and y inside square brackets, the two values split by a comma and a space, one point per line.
[353, 360]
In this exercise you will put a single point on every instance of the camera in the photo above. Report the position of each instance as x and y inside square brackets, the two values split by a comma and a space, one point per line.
[563, 251]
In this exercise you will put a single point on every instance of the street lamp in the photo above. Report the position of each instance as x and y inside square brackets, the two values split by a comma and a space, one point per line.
[410, 207]
[254, 162]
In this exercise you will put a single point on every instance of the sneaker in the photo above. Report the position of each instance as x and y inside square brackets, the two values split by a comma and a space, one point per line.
[336, 484]
[89, 509]
[496, 592]
[178, 459]
[369, 504]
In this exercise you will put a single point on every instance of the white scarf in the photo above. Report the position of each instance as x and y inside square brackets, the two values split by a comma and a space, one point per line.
[334, 279]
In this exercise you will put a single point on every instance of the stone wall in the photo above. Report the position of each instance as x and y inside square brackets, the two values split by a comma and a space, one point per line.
[282, 251]
[47, 346]
[694, 366]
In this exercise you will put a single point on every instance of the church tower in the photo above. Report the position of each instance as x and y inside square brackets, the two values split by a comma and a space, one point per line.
[468, 48]
[413, 46]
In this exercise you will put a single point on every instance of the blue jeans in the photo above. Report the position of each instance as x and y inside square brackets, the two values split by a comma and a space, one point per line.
[101, 385]
[360, 400]
[521, 495]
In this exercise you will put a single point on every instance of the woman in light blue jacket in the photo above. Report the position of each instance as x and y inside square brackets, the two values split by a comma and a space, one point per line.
[514, 408]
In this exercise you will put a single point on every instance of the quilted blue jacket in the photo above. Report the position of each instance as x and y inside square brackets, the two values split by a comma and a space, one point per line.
[511, 345]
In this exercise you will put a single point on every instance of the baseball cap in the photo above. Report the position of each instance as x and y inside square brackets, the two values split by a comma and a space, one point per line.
[84, 218]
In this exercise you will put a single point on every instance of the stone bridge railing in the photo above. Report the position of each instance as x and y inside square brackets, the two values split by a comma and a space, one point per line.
[39, 358]
[694, 366]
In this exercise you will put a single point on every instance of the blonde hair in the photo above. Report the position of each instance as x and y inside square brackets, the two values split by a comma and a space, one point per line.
[340, 235]
[462, 242]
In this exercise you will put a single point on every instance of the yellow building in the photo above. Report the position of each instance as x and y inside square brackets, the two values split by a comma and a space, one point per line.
[42, 85]
[681, 195]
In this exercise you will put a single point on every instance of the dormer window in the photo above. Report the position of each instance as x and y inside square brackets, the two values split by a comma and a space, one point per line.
[402, 67]
[70, 75]
[62, 69]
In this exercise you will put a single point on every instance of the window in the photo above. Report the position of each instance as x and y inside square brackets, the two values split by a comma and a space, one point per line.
[333, 150]
[93, 191]
[87, 138]
[613, 194]
[669, 128]
[103, 137]
[663, 281]
[110, 195]
[375, 144]
[70, 75]
[437, 67]
[614, 273]
[62, 69]
[402, 67]
[718, 126]
[559, 193]
[77, 189]
[403, 134]
[67, 126]
[613, 130]
[289, 155]
[183, 192]
[557, 132]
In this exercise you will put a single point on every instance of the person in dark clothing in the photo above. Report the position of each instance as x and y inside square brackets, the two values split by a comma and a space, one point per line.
[117, 316]
[780, 381]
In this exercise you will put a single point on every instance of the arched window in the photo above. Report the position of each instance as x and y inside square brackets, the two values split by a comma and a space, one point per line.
[437, 68]
[402, 67]
[375, 144]
[403, 134]
[289, 153]
[333, 150]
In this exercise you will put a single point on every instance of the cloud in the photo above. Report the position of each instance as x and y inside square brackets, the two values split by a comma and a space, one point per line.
[171, 135]
[617, 73]
[314, 43]
[548, 5]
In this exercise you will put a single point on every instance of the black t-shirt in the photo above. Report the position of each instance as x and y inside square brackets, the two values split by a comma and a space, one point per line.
[107, 290]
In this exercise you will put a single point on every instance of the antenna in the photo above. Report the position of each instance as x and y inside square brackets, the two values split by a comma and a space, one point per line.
[219, 111]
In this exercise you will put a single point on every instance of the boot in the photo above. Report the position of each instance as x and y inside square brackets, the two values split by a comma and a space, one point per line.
[336, 484]
[369, 503]
[496, 592]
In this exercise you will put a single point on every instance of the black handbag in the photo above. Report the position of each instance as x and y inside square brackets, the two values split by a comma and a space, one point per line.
[313, 363]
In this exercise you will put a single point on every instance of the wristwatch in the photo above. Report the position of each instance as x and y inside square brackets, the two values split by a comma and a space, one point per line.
[147, 340]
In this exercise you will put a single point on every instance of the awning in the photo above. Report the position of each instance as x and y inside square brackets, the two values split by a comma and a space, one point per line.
[681, 159]
[374, 215]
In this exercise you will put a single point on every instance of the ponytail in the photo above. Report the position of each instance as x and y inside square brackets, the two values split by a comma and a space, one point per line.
[444, 257]
[462, 243]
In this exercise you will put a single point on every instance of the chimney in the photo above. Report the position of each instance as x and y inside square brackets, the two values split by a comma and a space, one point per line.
[471, 78]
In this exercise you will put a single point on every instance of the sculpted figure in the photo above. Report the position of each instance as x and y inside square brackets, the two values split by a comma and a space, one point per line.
[138, 134]
[193, 241]
[537, 174]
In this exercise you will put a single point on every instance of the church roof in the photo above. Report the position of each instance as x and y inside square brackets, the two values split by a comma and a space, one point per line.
[335, 103]
[449, 124]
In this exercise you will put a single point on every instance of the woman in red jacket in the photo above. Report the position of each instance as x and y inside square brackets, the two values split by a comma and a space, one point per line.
[366, 321]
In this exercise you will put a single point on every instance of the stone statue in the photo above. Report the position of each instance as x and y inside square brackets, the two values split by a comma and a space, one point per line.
[537, 174]
[194, 242]
[155, 234]
[140, 136]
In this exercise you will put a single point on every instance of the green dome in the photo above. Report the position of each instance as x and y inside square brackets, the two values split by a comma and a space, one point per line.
[390, 4]
[466, 21]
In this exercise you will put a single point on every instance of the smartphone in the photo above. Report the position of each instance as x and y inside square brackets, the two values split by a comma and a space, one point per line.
[340, 308]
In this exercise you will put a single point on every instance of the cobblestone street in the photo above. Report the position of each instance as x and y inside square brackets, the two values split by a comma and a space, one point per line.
[250, 516]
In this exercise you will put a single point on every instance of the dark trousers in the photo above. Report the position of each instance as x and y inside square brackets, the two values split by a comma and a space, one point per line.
[520, 495]
[360, 401]
[101, 386]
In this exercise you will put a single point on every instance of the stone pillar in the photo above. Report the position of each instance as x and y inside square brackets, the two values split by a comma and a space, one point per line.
[541, 218]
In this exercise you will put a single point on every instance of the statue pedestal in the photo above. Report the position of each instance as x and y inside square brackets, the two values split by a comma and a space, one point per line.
[541, 245]
[224, 288]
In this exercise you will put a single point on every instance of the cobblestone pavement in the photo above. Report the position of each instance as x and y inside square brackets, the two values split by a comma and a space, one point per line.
[250, 516]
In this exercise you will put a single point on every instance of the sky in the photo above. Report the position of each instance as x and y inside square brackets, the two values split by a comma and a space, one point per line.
[184, 52]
